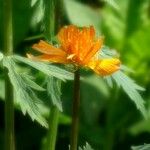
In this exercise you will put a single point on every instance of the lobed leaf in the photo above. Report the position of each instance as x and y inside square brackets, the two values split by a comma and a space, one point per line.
[131, 89]
[26, 98]
[46, 68]
[54, 91]
[126, 83]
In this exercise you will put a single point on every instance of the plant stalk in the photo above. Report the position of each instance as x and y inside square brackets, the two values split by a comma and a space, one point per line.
[54, 113]
[53, 126]
[50, 19]
[9, 103]
[75, 112]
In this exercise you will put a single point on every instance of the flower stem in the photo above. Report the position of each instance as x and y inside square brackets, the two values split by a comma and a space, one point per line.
[53, 125]
[9, 103]
[54, 112]
[75, 112]
[50, 19]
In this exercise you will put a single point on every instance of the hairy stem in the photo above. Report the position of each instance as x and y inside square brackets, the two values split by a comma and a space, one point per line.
[9, 104]
[75, 112]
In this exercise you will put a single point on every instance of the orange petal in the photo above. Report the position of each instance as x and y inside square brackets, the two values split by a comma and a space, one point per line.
[105, 67]
[94, 49]
[49, 58]
[46, 48]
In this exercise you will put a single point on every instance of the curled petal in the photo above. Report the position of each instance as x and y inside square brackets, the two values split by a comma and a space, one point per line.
[104, 67]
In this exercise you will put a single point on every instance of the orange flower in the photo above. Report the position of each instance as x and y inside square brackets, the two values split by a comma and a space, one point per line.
[79, 47]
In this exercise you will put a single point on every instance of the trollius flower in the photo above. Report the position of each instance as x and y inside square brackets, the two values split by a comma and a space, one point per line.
[79, 47]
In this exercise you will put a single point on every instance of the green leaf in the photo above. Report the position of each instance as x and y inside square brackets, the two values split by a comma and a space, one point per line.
[132, 22]
[1, 56]
[86, 147]
[128, 85]
[24, 94]
[29, 82]
[54, 91]
[38, 13]
[82, 15]
[141, 147]
[131, 89]
[112, 3]
[33, 2]
[2, 89]
[46, 68]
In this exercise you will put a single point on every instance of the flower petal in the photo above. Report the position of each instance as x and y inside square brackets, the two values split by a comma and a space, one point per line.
[93, 50]
[46, 48]
[105, 67]
[49, 58]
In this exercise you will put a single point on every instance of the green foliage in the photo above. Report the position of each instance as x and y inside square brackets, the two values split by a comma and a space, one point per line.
[2, 89]
[86, 147]
[1, 56]
[38, 13]
[131, 89]
[85, 16]
[47, 68]
[112, 3]
[141, 147]
[33, 2]
[26, 98]
[54, 91]
[126, 83]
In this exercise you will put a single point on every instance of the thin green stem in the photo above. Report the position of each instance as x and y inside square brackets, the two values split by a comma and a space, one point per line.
[53, 126]
[75, 112]
[9, 104]
[54, 113]
[50, 19]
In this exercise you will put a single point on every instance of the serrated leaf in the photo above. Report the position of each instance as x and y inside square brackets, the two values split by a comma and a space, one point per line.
[131, 89]
[54, 91]
[24, 94]
[86, 147]
[47, 68]
[82, 15]
[31, 83]
[141, 147]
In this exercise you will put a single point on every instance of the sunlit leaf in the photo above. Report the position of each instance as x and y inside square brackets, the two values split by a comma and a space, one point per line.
[24, 94]
[141, 147]
[33, 2]
[1, 56]
[46, 68]
[54, 91]
[112, 3]
[86, 147]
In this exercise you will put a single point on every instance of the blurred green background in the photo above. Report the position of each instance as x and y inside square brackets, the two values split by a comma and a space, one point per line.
[108, 119]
